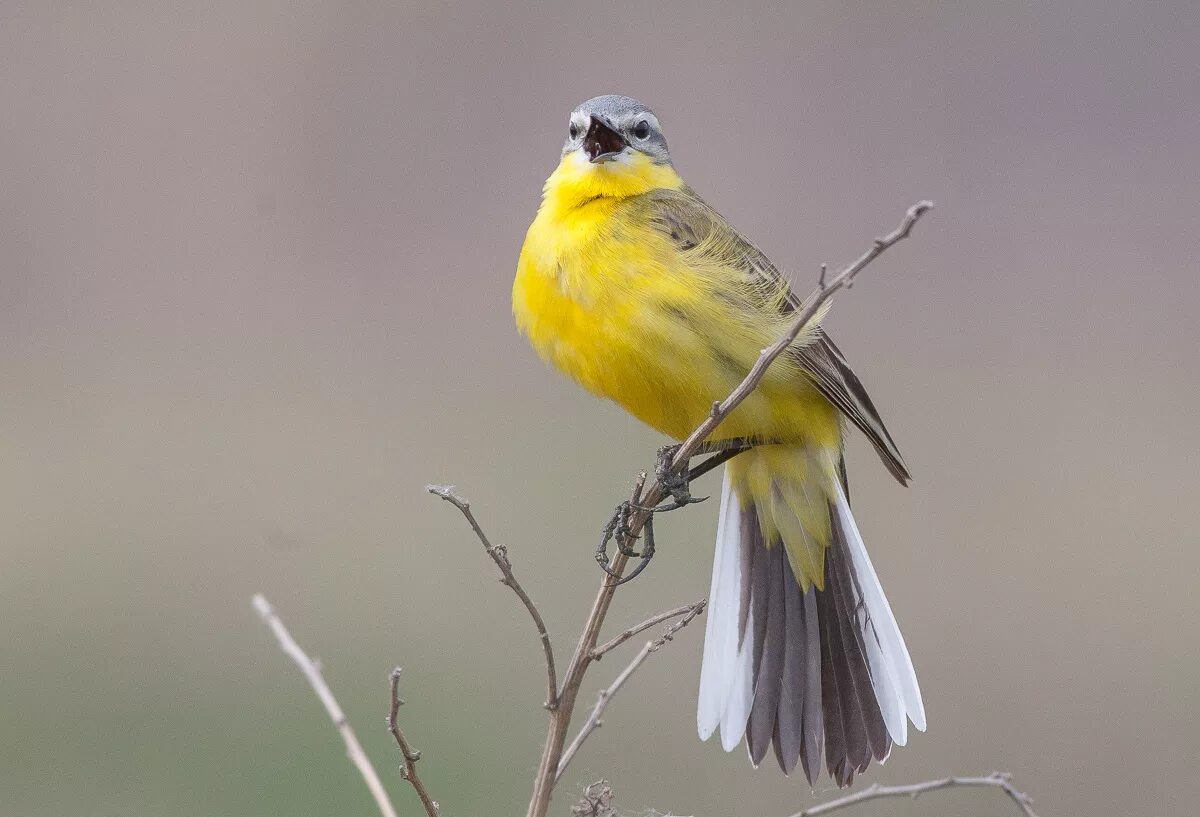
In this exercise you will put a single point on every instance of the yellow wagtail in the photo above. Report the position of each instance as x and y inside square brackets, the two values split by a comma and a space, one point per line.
[634, 286]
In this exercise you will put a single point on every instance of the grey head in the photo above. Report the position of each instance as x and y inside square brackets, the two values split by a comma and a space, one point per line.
[608, 127]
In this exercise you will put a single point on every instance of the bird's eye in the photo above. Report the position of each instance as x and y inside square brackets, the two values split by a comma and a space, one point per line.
[642, 130]
[573, 130]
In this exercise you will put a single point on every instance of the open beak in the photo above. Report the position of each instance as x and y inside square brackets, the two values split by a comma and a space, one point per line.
[601, 143]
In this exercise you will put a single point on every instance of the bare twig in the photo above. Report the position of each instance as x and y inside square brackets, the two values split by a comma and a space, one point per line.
[594, 721]
[312, 671]
[499, 554]
[998, 780]
[695, 608]
[409, 770]
[556, 733]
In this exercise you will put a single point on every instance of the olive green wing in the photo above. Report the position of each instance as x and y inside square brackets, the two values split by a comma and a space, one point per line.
[696, 227]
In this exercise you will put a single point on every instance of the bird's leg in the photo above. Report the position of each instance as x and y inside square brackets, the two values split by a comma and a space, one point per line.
[616, 527]
[620, 520]
[647, 551]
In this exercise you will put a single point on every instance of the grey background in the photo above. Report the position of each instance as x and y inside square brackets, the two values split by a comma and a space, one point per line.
[255, 263]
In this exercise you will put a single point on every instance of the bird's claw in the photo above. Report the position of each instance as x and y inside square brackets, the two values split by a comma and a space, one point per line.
[675, 484]
[618, 527]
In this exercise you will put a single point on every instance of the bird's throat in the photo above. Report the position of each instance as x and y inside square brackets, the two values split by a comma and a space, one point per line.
[577, 181]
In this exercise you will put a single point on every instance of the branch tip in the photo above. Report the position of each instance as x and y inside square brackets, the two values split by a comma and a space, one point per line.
[447, 492]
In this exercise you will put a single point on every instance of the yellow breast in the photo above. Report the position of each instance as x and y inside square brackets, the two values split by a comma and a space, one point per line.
[609, 300]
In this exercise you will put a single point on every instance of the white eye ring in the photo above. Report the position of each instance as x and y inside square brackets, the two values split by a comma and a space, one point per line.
[642, 129]
[573, 130]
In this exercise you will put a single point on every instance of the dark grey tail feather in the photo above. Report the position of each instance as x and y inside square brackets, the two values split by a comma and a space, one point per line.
[840, 584]
[768, 582]
[790, 719]
[812, 687]
[814, 716]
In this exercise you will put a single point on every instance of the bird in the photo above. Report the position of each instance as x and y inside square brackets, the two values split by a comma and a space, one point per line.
[639, 290]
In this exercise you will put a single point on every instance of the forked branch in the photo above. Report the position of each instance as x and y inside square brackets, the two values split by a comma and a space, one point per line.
[594, 721]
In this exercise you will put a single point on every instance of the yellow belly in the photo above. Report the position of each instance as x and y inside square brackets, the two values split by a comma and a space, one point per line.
[614, 305]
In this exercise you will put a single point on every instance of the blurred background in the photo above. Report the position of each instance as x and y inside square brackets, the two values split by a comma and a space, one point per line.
[255, 263]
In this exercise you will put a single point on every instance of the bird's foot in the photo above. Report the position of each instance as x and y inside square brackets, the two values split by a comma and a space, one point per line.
[618, 528]
[676, 484]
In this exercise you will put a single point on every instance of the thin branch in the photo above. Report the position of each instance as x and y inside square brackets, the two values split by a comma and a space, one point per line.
[312, 671]
[997, 780]
[695, 607]
[594, 721]
[409, 770]
[499, 554]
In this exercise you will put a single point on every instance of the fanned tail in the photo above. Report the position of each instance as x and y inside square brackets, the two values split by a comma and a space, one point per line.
[806, 667]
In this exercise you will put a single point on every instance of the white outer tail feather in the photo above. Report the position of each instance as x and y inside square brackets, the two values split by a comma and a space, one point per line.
[725, 675]
[890, 642]
[726, 686]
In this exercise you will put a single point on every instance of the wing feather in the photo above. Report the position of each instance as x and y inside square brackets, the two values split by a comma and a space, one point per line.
[695, 227]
